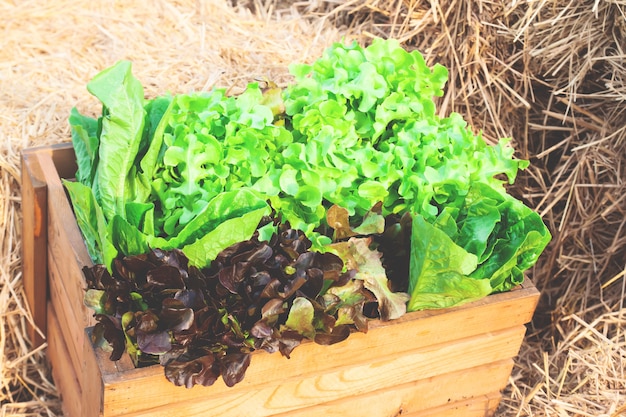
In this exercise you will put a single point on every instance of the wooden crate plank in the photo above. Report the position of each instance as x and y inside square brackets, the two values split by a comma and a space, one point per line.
[63, 372]
[266, 399]
[69, 322]
[65, 259]
[65, 276]
[92, 385]
[416, 396]
[483, 406]
[34, 244]
[65, 243]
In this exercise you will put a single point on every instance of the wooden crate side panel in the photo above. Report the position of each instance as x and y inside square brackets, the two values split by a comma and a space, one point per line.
[65, 245]
[65, 277]
[483, 406]
[417, 396]
[69, 323]
[65, 377]
[34, 244]
[92, 384]
[300, 391]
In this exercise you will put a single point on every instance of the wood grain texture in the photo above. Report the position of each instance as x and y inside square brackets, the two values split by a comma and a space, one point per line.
[67, 255]
[92, 385]
[313, 387]
[63, 372]
[68, 321]
[481, 406]
[34, 243]
[416, 396]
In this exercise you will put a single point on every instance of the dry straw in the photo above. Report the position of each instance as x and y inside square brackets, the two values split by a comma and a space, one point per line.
[549, 73]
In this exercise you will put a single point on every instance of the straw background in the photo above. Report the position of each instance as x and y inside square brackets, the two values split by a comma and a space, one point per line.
[549, 73]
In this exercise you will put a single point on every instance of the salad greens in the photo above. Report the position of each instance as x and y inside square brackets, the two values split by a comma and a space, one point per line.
[256, 295]
[352, 154]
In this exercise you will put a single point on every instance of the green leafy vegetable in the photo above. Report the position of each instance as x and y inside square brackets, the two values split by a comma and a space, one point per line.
[352, 156]
[85, 142]
[91, 222]
[440, 270]
[225, 234]
[144, 171]
[121, 95]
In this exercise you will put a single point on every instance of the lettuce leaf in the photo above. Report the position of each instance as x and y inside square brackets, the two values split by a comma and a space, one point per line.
[506, 236]
[440, 269]
[357, 255]
[85, 142]
[520, 239]
[91, 222]
[227, 233]
[123, 121]
[480, 243]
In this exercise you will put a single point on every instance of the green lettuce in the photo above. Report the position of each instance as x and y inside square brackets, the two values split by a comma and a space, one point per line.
[121, 134]
[356, 129]
[440, 269]
[92, 223]
[480, 243]
[140, 179]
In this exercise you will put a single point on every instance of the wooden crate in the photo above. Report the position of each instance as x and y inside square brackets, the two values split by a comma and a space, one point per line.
[451, 362]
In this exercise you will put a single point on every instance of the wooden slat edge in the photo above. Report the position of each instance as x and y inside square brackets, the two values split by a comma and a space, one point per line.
[379, 372]
[93, 386]
[34, 244]
[63, 372]
[483, 406]
[71, 329]
[417, 396]
[66, 253]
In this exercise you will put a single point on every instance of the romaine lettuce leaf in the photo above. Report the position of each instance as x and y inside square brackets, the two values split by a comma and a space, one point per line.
[123, 121]
[439, 270]
[85, 142]
[91, 222]
[227, 233]
[224, 206]
[521, 238]
[128, 239]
